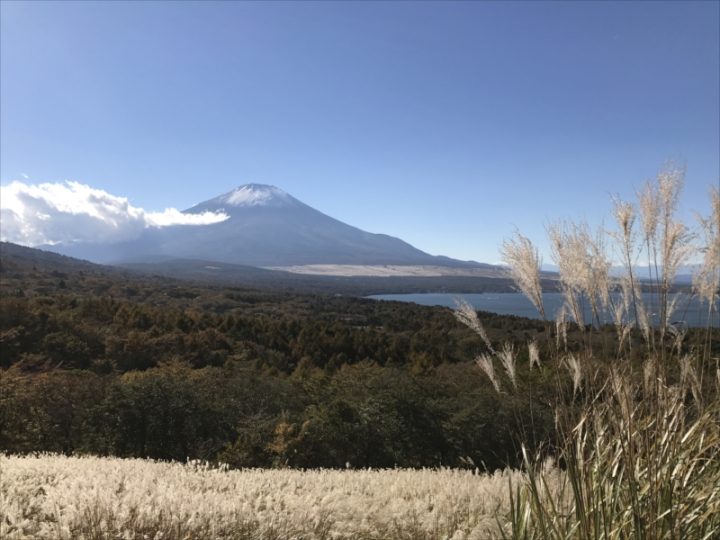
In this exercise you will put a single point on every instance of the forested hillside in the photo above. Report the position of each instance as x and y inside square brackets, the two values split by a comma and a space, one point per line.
[110, 362]
[104, 361]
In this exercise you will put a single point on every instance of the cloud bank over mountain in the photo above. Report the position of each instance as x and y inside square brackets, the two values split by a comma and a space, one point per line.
[254, 224]
[70, 212]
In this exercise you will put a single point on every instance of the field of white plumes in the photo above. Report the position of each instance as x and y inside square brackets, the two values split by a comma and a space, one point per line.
[59, 497]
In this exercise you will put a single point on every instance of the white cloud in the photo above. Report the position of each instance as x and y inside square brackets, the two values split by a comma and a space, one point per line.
[52, 213]
[173, 216]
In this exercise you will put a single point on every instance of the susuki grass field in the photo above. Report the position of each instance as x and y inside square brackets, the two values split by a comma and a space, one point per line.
[52, 496]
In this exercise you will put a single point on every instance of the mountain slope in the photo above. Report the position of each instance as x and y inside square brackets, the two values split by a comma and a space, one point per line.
[265, 227]
[45, 267]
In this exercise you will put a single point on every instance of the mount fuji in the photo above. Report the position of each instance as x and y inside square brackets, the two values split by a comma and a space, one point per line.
[265, 226]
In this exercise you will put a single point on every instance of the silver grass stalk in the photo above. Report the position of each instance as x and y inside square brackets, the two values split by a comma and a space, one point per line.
[676, 250]
[466, 314]
[685, 368]
[633, 303]
[485, 363]
[561, 327]
[591, 271]
[568, 253]
[689, 378]
[573, 304]
[620, 312]
[624, 213]
[622, 392]
[624, 306]
[575, 369]
[706, 281]
[643, 320]
[600, 268]
[675, 239]
[649, 199]
[534, 354]
[625, 217]
[678, 333]
[649, 375]
[524, 261]
[624, 334]
[670, 182]
[507, 359]
[671, 307]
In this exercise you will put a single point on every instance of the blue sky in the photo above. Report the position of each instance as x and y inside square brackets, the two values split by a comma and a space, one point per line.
[446, 124]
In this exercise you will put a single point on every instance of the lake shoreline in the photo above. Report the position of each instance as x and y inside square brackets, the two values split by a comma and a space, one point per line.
[689, 309]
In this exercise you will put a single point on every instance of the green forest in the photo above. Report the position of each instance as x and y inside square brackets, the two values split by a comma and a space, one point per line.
[110, 362]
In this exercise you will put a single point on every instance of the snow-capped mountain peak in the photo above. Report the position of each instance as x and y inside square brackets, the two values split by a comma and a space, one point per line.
[255, 195]
[246, 197]
[265, 226]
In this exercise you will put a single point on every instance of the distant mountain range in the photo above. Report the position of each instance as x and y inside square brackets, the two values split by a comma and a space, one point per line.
[684, 274]
[266, 227]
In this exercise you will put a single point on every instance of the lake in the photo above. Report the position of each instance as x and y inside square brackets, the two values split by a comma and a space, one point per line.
[688, 308]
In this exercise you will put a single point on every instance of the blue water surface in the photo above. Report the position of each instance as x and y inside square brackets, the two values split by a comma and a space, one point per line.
[689, 309]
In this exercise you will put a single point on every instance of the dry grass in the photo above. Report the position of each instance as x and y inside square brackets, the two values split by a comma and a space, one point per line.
[59, 497]
[639, 449]
[635, 469]
[524, 261]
